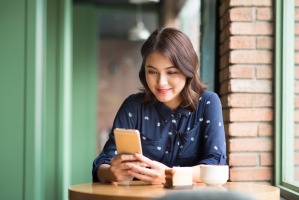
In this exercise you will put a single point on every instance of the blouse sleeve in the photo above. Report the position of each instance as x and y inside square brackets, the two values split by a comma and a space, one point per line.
[213, 133]
[125, 118]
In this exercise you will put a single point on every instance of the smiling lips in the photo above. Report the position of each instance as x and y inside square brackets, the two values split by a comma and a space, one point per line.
[163, 91]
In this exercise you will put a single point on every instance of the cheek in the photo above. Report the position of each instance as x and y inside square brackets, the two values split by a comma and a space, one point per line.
[149, 80]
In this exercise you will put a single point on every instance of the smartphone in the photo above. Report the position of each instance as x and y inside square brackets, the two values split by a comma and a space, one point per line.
[127, 141]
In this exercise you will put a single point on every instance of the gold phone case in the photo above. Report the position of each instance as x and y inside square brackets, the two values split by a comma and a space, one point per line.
[127, 141]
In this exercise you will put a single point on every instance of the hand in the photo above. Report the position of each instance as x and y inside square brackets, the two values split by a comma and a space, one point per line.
[120, 164]
[155, 175]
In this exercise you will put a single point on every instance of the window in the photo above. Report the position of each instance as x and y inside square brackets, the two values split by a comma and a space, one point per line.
[286, 94]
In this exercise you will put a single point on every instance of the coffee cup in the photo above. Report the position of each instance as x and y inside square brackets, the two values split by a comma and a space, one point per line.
[214, 174]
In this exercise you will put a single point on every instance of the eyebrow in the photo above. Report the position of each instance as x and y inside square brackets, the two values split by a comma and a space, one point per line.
[149, 66]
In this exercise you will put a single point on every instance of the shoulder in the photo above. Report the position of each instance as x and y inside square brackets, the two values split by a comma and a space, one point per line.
[208, 99]
[208, 95]
[132, 101]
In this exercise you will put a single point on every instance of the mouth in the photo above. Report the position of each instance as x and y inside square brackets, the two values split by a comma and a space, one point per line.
[163, 91]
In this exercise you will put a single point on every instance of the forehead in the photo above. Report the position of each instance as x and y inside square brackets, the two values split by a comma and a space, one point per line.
[157, 59]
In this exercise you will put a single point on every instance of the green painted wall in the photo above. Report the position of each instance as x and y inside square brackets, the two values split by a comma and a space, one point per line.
[12, 80]
[40, 154]
[84, 92]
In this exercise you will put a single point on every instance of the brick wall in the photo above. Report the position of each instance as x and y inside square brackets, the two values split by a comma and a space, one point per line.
[246, 87]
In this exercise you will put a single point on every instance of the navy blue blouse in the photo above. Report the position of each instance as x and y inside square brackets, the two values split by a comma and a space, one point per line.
[174, 138]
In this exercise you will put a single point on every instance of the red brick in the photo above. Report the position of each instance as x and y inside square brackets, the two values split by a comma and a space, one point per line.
[241, 14]
[296, 115]
[265, 129]
[253, 115]
[251, 174]
[296, 58]
[241, 28]
[250, 145]
[222, 9]
[296, 101]
[250, 2]
[266, 159]
[296, 72]
[242, 159]
[296, 29]
[259, 86]
[264, 43]
[250, 57]
[241, 71]
[296, 174]
[296, 14]
[263, 72]
[242, 129]
[296, 158]
[239, 100]
[263, 100]
[222, 36]
[264, 14]
[296, 43]
[224, 87]
[296, 144]
[224, 74]
[235, 85]
[296, 88]
[225, 19]
[237, 42]
[224, 60]
[296, 130]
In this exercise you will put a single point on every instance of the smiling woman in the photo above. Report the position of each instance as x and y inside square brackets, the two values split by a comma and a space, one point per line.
[180, 123]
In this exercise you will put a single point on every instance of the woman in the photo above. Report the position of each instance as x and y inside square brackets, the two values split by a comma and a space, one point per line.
[180, 123]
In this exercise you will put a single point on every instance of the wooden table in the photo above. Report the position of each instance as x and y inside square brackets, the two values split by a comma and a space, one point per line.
[139, 190]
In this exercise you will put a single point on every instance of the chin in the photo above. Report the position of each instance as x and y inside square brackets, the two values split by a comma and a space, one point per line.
[163, 99]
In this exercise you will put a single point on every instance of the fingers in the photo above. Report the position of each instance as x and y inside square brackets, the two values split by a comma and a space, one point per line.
[141, 177]
[143, 158]
[123, 157]
[143, 170]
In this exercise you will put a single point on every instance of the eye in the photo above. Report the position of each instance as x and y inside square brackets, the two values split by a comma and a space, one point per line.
[172, 72]
[151, 72]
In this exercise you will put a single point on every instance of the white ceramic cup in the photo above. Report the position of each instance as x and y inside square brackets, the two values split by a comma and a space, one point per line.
[214, 174]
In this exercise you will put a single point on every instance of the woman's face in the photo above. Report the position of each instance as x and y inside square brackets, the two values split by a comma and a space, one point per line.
[164, 80]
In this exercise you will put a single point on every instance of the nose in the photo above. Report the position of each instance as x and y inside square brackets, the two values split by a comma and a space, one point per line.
[162, 81]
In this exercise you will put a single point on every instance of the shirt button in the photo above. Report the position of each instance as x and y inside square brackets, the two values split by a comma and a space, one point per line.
[144, 138]
[166, 151]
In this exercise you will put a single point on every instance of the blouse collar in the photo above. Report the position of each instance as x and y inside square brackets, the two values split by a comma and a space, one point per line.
[166, 112]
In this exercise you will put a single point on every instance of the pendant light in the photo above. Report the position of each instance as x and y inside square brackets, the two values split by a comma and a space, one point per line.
[144, 1]
[138, 32]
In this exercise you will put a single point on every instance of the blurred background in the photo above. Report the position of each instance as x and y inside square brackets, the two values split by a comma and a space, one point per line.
[66, 67]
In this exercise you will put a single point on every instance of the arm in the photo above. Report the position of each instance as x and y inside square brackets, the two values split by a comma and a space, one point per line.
[125, 118]
[213, 133]
[117, 170]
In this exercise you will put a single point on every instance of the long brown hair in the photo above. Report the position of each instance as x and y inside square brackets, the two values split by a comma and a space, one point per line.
[177, 47]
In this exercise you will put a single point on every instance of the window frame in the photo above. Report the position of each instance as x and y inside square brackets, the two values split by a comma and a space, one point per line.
[284, 96]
